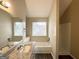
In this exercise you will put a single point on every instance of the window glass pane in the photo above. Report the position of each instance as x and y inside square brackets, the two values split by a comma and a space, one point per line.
[39, 29]
[18, 29]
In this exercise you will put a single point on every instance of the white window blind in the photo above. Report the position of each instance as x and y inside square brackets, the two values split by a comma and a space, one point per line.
[39, 28]
[18, 29]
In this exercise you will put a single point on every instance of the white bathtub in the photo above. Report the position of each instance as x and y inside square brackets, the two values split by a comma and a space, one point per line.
[42, 47]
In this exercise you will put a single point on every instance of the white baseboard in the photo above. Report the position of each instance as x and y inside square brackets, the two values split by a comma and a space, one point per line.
[52, 54]
[72, 56]
[54, 57]
[64, 53]
[67, 53]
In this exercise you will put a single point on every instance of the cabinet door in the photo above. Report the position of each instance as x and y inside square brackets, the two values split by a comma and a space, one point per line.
[27, 52]
[20, 53]
[13, 54]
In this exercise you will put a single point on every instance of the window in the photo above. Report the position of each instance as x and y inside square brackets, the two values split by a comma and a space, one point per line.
[18, 29]
[39, 28]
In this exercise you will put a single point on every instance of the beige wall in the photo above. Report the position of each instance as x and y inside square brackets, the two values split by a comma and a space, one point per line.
[5, 28]
[54, 27]
[63, 4]
[75, 28]
[29, 29]
[72, 15]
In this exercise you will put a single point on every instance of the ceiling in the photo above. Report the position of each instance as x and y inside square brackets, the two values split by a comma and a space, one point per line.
[35, 8]
[38, 8]
[41, 8]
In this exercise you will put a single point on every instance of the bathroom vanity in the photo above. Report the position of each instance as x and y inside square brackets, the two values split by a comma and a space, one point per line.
[23, 52]
[17, 51]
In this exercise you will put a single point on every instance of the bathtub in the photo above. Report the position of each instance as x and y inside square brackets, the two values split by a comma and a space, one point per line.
[42, 47]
